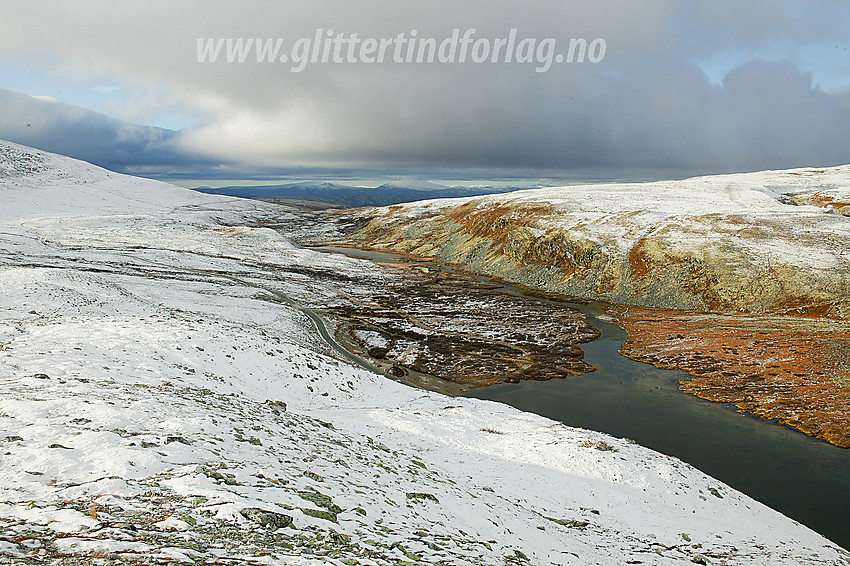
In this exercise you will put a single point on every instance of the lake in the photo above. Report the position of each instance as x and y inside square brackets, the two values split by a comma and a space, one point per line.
[803, 478]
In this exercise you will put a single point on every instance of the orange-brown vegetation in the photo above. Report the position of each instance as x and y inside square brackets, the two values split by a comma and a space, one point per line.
[793, 370]
[824, 200]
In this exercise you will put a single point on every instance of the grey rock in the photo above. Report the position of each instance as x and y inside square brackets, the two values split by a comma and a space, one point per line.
[267, 519]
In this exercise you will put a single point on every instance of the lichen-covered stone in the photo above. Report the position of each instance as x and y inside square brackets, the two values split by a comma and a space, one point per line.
[268, 519]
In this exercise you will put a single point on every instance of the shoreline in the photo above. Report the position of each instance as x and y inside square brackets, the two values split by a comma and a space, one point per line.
[739, 360]
[823, 421]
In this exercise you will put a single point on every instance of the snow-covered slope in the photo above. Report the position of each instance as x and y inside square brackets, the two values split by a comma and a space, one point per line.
[158, 405]
[758, 242]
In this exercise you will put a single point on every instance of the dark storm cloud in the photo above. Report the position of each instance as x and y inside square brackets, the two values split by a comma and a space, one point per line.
[647, 103]
[61, 128]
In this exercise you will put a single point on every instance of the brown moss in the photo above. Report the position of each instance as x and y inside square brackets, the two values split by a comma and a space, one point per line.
[639, 262]
[793, 370]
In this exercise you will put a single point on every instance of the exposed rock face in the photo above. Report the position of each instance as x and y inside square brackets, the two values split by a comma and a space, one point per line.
[716, 244]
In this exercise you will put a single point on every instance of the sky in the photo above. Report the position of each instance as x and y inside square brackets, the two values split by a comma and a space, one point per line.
[665, 85]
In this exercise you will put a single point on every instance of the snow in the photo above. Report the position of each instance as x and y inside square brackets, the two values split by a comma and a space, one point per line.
[144, 380]
[371, 338]
[701, 210]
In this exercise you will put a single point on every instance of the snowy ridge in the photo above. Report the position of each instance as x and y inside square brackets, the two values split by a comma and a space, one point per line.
[772, 241]
[618, 214]
[159, 405]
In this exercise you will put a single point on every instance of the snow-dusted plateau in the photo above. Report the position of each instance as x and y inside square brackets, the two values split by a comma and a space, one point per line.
[171, 396]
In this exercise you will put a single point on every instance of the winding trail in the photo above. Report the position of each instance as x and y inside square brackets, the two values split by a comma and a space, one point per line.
[320, 325]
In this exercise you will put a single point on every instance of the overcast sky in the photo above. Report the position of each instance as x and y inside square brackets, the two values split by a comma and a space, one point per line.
[708, 86]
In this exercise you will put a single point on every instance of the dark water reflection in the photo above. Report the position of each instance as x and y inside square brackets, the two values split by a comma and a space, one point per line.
[806, 479]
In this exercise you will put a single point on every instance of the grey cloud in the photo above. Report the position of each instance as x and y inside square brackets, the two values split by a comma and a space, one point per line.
[61, 128]
[647, 103]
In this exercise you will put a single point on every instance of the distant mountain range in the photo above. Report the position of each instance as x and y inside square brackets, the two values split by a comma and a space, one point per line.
[347, 196]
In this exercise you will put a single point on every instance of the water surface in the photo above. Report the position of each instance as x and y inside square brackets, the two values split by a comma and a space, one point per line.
[803, 478]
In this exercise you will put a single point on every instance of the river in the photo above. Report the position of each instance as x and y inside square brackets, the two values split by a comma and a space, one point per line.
[803, 478]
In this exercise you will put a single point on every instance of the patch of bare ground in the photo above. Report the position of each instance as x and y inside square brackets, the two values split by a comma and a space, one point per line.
[455, 327]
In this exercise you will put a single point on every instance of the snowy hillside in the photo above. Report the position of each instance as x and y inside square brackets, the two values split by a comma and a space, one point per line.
[758, 242]
[164, 402]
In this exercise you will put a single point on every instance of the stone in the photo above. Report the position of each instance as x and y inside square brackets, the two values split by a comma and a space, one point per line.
[422, 496]
[321, 500]
[267, 519]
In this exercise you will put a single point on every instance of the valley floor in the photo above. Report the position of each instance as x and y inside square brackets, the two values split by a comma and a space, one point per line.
[740, 280]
